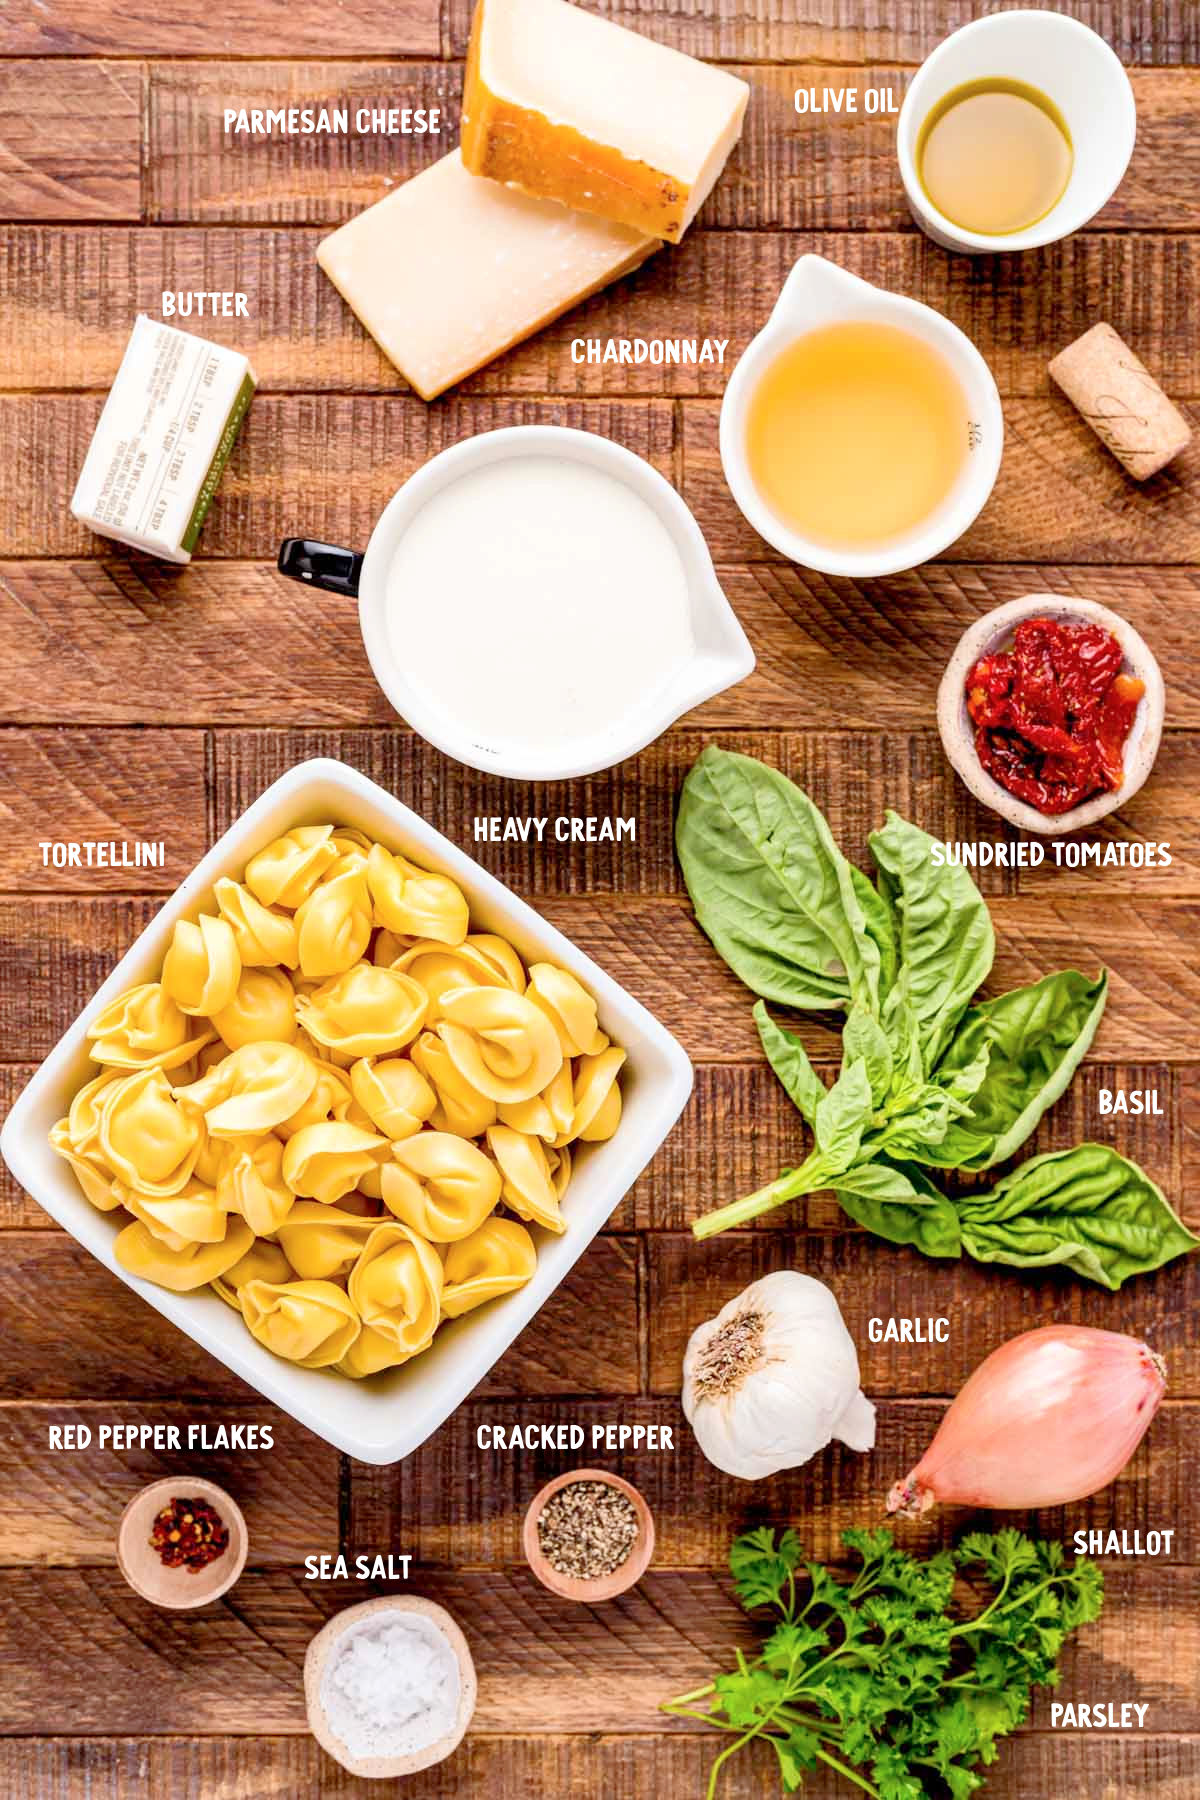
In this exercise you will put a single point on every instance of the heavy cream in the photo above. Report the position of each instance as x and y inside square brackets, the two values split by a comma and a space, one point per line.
[538, 600]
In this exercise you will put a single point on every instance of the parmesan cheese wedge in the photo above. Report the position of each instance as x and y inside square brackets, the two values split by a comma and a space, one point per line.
[450, 271]
[569, 106]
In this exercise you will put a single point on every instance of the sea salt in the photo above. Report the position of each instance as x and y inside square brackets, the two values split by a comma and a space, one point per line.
[391, 1686]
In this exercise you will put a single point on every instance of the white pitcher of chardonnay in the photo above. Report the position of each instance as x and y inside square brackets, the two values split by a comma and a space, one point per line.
[861, 431]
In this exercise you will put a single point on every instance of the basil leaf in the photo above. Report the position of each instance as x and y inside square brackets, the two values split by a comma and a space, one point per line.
[1088, 1208]
[771, 888]
[789, 1059]
[900, 1203]
[864, 1040]
[842, 1117]
[943, 929]
[1036, 1038]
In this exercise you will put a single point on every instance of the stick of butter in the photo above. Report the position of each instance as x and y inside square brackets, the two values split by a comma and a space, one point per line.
[163, 440]
[565, 104]
[449, 271]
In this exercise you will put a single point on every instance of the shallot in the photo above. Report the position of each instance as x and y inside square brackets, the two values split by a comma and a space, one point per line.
[1052, 1416]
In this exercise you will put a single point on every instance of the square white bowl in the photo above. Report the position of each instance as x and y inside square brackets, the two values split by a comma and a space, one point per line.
[384, 1418]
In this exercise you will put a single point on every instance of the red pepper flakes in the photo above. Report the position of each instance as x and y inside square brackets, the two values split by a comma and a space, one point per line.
[189, 1534]
[1052, 713]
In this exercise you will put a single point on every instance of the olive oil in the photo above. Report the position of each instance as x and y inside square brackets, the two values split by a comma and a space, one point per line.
[856, 433]
[995, 156]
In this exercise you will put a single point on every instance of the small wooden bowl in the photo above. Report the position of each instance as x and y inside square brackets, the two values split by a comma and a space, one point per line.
[601, 1587]
[143, 1568]
[991, 633]
[317, 1656]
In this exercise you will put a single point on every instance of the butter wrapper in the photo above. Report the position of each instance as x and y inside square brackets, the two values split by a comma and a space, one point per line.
[163, 440]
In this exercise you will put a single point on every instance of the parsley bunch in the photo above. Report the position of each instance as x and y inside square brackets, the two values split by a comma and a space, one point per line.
[886, 1677]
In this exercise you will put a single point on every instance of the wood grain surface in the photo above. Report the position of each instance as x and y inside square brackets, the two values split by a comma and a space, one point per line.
[142, 702]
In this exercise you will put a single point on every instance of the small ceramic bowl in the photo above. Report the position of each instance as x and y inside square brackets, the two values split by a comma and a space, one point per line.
[179, 1589]
[992, 633]
[600, 1587]
[317, 1657]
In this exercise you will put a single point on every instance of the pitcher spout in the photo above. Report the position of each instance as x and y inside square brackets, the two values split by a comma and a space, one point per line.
[818, 292]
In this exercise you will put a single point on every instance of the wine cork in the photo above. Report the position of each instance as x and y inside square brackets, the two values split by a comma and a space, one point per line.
[1121, 401]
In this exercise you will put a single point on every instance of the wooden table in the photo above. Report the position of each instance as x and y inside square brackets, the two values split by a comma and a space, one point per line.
[145, 703]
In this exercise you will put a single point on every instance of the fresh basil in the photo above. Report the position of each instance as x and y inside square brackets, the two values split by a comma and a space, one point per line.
[842, 1117]
[864, 1040]
[902, 1205]
[1035, 1038]
[927, 1078]
[943, 930]
[771, 888]
[1088, 1208]
[789, 1059]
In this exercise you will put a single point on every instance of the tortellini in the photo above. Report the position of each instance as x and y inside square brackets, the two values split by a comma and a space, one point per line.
[312, 1323]
[251, 1183]
[569, 1007]
[148, 1140]
[396, 1287]
[187, 1267]
[528, 1183]
[263, 1261]
[414, 901]
[338, 1106]
[460, 1107]
[264, 937]
[503, 1044]
[496, 1259]
[441, 1185]
[394, 1095]
[364, 1012]
[201, 969]
[263, 1008]
[287, 871]
[440, 968]
[323, 1243]
[326, 1161]
[143, 1027]
[334, 924]
[253, 1089]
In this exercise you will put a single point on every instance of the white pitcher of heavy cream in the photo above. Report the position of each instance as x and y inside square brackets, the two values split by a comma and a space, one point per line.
[536, 601]
[861, 431]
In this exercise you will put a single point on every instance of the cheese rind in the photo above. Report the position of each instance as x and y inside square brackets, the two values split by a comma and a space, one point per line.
[451, 270]
[564, 104]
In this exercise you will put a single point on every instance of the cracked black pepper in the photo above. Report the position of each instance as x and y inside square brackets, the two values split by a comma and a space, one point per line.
[587, 1529]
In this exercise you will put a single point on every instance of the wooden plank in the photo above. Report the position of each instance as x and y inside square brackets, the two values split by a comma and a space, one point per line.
[869, 655]
[325, 467]
[740, 1130]
[67, 297]
[1059, 1766]
[985, 1304]
[243, 29]
[18, 1212]
[313, 466]
[120, 789]
[543, 1667]
[62, 1507]
[1060, 496]
[54, 953]
[425, 1505]
[790, 171]
[72, 1329]
[830, 31]
[71, 145]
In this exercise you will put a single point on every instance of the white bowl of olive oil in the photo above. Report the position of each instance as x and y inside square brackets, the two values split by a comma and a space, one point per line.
[1015, 132]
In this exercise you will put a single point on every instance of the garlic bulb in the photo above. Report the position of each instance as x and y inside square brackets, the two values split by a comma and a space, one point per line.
[773, 1378]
